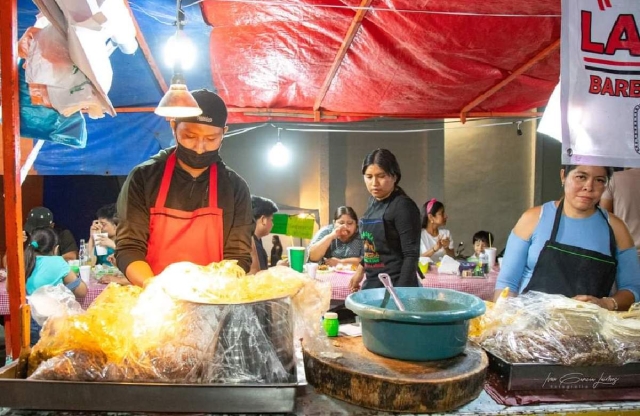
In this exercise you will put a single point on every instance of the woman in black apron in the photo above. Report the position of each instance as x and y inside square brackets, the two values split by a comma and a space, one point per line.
[389, 228]
[573, 270]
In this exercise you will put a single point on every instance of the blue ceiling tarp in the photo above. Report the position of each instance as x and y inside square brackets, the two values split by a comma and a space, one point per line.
[116, 144]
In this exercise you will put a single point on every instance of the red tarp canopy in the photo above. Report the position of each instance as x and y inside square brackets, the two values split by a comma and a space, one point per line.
[336, 60]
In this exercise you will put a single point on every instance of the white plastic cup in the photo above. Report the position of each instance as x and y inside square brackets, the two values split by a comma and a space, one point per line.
[100, 250]
[312, 268]
[85, 273]
[491, 253]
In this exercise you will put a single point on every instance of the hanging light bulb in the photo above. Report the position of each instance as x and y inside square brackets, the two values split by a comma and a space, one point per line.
[179, 47]
[551, 122]
[177, 101]
[279, 155]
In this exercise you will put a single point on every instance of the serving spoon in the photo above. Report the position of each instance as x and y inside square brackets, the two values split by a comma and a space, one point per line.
[386, 281]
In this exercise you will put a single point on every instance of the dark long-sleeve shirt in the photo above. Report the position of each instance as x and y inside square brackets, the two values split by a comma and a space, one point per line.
[402, 228]
[186, 193]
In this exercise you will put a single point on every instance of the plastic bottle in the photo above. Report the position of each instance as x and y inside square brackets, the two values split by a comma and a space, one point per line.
[483, 258]
[83, 254]
[331, 324]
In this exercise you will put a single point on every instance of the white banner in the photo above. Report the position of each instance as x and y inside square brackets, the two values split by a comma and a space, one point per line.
[600, 81]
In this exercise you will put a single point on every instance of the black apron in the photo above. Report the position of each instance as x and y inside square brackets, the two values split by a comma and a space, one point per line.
[569, 270]
[379, 256]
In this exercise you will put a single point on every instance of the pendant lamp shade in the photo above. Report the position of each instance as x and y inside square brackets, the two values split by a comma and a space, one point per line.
[178, 103]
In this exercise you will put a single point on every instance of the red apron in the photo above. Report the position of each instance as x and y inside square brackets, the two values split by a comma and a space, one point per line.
[176, 235]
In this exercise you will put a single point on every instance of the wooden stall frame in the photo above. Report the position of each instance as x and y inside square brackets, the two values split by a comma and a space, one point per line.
[11, 178]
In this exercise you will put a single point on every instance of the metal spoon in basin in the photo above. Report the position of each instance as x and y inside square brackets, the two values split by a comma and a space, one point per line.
[386, 281]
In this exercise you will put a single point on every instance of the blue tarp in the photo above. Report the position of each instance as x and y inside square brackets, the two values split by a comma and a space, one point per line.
[117, 144]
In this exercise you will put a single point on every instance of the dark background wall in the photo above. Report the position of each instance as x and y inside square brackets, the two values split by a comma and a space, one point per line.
[75, 199]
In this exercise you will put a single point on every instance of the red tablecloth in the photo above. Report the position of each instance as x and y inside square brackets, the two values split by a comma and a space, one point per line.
[481, 287]
[93, 290]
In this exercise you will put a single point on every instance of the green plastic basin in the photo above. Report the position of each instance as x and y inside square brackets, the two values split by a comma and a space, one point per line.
[434, 326]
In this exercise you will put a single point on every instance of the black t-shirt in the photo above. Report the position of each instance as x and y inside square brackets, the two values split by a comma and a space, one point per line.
[262, 253]
[141, 189]
[66, 240]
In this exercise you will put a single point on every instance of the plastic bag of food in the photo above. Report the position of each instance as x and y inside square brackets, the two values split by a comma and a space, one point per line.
[542, 328]
[622, 331]
[191, 324]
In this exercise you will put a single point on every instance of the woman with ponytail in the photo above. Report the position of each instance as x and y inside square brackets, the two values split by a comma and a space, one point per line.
[43, 266]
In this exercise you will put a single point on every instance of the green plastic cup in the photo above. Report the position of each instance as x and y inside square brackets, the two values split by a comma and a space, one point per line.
[296, 258]
[75, 266]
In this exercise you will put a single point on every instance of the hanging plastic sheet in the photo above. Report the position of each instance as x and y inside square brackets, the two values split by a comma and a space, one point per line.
[43, 123]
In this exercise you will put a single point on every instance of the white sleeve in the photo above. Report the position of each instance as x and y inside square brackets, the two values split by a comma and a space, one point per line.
[423, 242]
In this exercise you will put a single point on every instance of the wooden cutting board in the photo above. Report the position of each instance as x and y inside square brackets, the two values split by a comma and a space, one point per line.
[354, 374]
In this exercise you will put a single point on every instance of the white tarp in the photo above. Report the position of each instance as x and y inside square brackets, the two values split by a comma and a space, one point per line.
[600, 81]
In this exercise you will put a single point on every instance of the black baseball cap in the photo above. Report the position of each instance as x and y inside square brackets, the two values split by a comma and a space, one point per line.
[214, 110]
[39, 217]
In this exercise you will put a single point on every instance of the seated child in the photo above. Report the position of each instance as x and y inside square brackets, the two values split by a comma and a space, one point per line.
[44, 266]
[481, 240]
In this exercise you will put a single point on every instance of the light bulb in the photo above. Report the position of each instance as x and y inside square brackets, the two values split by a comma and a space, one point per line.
[179, 47]
[551, 122]
[279, 155]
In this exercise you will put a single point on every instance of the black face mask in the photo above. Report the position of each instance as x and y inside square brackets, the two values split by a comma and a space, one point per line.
[195, 160]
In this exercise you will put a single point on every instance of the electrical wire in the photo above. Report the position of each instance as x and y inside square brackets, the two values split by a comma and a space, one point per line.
[402, 131]
[377, 123]
[244, 130]
[377, 9]
[156, 15]
[392, 131]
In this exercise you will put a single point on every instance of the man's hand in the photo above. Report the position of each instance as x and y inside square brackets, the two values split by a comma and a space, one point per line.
[95, 228]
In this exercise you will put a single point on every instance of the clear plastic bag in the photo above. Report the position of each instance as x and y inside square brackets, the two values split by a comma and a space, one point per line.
[49, 64]
[622, 331]
[541, 328]
[52, 301]
[155, 335]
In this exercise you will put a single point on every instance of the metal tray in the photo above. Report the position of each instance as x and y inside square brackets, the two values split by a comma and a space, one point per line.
[535, 376]
[149, 397]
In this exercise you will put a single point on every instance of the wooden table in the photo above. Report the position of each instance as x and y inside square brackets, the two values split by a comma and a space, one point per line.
[481, 287]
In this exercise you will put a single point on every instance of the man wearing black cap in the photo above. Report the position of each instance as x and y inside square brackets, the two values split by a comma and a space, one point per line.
[185, 204]
[41, 217]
